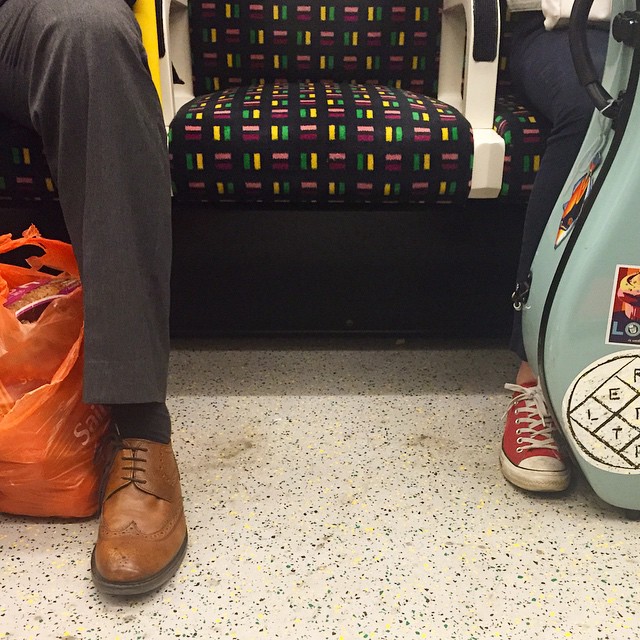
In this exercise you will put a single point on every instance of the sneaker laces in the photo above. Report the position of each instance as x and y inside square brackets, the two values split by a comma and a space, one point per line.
[535, 429]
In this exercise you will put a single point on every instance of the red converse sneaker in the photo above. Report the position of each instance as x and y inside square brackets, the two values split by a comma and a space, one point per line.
[530, 457]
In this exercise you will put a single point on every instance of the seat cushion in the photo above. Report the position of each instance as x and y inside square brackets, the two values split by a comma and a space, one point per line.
[24, 174]
[320, 142]
[525, 134]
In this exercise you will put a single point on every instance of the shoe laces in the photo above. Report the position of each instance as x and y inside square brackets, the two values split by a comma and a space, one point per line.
[534, 426]
[137, 464]
[105, 456]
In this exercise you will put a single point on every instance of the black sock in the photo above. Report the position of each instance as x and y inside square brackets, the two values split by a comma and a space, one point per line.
[149, 421]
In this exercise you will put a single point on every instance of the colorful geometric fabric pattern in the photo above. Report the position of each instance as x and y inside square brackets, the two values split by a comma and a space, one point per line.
[386, 42]
[320, 142]
[24, 174]
[525, 135]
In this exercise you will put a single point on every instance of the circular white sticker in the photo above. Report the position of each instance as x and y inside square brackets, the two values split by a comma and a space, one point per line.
[602, 412]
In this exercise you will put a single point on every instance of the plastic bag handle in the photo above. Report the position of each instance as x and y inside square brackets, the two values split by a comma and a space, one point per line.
[58, 255]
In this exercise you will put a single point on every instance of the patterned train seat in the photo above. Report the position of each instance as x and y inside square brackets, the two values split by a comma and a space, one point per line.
[320, 141]
[323, 102]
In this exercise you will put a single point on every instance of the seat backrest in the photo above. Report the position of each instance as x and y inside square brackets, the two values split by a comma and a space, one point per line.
[507, 20]
[386, 42]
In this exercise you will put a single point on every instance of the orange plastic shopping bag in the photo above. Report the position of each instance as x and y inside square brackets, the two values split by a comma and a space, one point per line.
[48, 436]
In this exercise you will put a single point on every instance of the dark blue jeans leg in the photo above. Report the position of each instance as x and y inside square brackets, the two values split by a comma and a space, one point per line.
[543, 73]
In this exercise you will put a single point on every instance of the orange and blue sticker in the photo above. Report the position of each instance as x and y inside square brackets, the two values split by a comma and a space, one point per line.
[574, 206]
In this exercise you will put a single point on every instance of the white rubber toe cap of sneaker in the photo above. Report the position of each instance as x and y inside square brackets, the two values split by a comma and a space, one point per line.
[542, 463]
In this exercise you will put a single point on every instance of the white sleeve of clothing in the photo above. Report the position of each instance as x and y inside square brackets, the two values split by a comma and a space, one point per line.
[557, 12]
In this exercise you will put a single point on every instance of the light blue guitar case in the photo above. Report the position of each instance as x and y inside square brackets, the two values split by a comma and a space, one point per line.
[581, 321]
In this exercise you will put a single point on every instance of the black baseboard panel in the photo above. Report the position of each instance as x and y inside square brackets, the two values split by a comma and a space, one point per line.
[443, 272]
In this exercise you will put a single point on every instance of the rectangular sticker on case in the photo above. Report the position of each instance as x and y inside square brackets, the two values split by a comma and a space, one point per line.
[624, 313]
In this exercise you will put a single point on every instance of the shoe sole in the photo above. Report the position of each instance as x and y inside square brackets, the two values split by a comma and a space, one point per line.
[139, 587]
[543, 481]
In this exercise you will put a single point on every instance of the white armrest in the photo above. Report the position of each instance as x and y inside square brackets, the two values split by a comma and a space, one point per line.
[470, 87]
[177, 52]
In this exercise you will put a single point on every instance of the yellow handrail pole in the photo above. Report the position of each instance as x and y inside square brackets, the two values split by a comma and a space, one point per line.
[145, 13]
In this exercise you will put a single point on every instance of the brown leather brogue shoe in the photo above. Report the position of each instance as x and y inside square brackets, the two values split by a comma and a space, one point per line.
[142, 537]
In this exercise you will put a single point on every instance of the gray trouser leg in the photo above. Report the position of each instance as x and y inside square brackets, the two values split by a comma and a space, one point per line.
[75, 71]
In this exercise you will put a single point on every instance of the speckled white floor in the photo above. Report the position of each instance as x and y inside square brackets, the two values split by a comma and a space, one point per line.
[343, 489]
